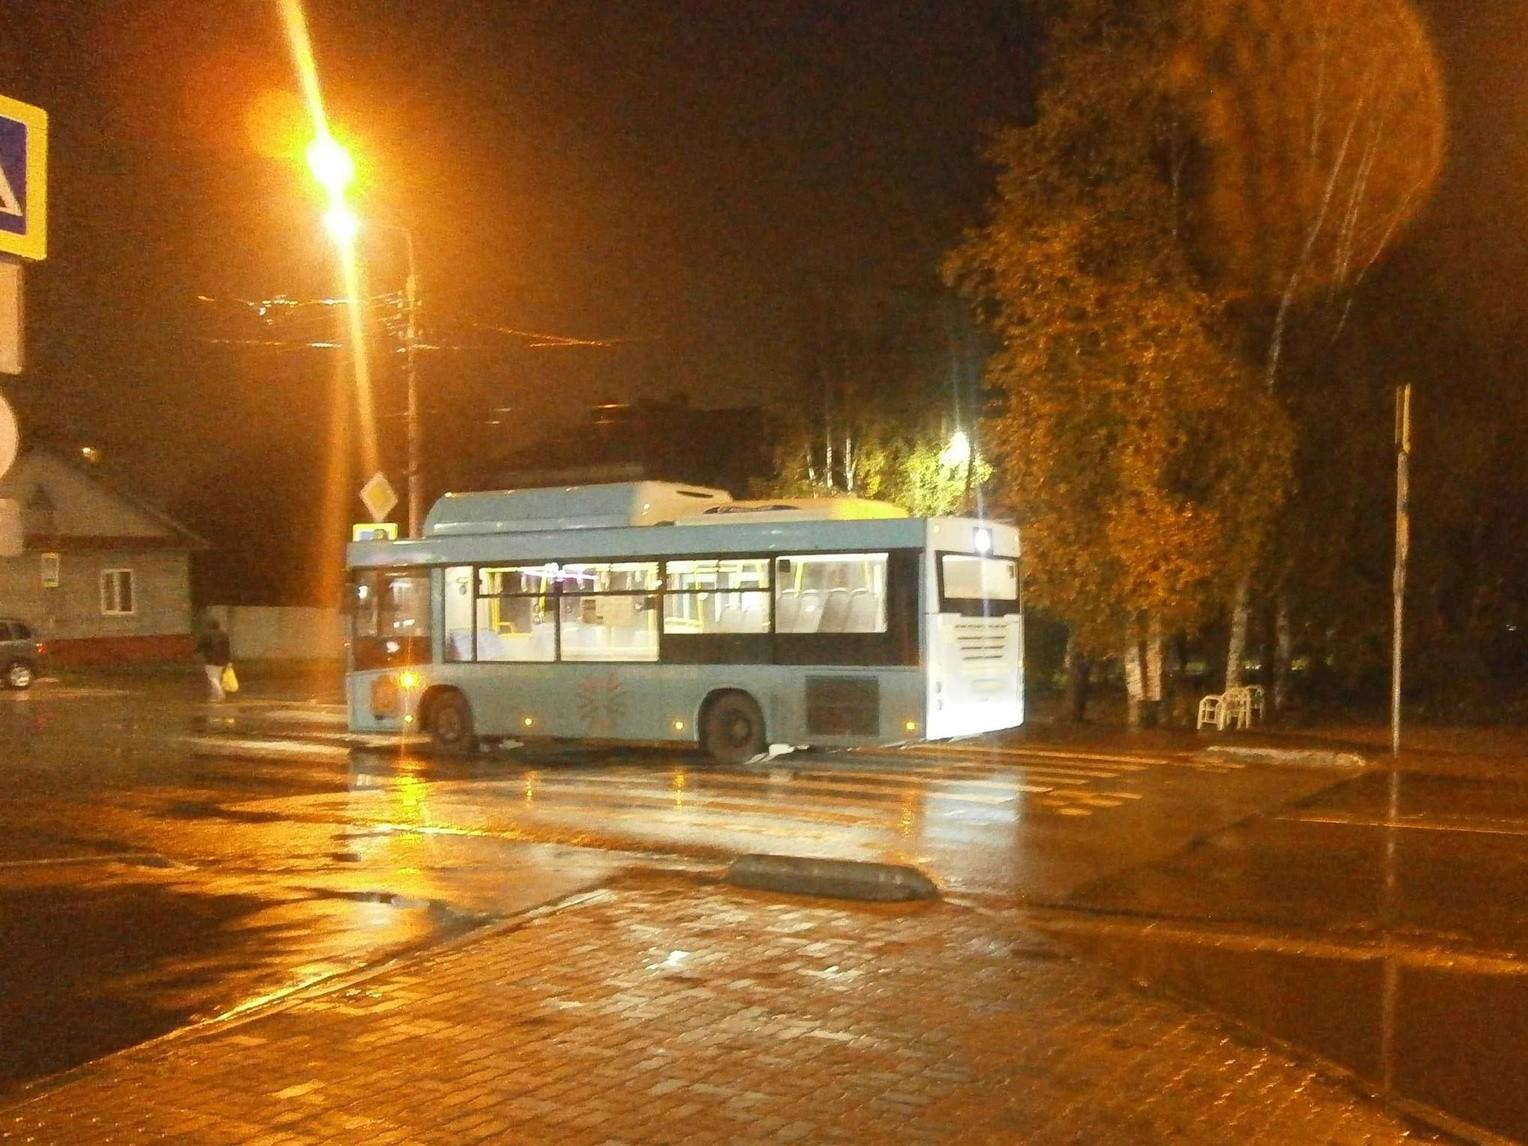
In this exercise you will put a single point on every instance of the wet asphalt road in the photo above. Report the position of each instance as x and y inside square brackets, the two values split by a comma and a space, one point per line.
[1394, 946]
[164, 861]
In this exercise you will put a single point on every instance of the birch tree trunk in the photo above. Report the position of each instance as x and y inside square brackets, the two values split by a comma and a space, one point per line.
[1151, 686]
[1236, 650]
[1077, 668]
[1283, 652]
[827, 428]
[1134, 682]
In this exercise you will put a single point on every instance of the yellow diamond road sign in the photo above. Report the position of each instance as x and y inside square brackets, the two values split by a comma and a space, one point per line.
[378, 497]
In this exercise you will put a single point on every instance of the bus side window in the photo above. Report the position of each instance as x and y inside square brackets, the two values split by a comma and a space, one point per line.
[513, 623]
[831, 593]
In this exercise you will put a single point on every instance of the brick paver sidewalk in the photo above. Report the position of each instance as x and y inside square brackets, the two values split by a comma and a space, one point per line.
[665, 1012]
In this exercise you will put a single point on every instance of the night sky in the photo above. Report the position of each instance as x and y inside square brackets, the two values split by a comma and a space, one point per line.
[681, 179]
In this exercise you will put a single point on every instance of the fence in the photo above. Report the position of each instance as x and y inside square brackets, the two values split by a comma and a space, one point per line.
[269, 632]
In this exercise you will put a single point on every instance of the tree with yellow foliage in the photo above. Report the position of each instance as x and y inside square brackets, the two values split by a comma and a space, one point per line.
[1144, 460]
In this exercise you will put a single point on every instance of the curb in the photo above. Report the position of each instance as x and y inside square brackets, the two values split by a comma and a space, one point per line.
[831, 878]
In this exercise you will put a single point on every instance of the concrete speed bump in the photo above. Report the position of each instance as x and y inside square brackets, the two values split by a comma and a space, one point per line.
[1302, 757]
[837, 879]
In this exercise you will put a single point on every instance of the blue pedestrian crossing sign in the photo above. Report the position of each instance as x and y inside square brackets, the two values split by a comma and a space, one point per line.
[23, 179]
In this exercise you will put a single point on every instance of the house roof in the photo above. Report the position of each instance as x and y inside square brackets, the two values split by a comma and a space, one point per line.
[28, 479]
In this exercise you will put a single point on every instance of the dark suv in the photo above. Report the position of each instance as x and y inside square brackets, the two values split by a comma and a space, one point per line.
[21, 654]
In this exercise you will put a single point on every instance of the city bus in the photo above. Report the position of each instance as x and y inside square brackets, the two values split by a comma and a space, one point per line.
[651, 611]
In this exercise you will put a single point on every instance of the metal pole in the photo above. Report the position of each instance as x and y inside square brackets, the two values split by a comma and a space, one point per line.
[1390, 982]
[1402, 548]
[410, 347]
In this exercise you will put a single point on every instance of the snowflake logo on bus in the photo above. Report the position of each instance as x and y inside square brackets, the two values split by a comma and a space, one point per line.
[602, 703]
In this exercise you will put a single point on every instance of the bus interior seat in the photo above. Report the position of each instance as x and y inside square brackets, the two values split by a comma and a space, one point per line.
[787, 611]
[754, 616]
[835, 612]
[809, 619]
[864, 612]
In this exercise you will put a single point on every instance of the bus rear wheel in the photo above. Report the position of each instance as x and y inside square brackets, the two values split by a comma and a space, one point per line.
[451, 724]
[732, 731]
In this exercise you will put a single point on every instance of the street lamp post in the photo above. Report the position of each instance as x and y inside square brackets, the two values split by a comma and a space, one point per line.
[333, 168]
[411, 376]
[413, 432]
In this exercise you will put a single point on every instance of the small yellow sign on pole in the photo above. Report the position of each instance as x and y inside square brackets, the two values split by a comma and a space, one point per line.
[374, 531]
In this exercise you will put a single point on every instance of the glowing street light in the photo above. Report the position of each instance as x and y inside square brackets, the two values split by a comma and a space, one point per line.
[335, 170]
[958, 452]
[342, 224]
[331, 166]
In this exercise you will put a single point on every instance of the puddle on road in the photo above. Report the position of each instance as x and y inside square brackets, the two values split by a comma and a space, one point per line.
[89, 970]
[1283, 930]
[211, 810]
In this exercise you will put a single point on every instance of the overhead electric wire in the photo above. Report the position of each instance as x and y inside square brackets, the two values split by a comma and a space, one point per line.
[386, 310]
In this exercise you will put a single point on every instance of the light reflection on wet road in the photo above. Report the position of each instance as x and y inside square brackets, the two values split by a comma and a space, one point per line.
[163, 860]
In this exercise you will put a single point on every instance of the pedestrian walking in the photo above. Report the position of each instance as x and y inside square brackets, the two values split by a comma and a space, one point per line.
[217, 659]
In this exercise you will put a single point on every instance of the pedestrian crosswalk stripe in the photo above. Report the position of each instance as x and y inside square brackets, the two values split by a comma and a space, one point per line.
[958, 769]
[1010, 751]
[871, 781]
[239, 746]
[698, 789]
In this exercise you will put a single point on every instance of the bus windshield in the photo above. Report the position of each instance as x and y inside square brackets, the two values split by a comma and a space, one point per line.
[389, 618]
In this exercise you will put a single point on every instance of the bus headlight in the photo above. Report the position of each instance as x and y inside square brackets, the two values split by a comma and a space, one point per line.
[408, 681]
[981, 539]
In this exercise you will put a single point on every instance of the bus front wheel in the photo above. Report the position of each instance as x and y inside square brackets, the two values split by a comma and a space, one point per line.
[451, 724]
[732, 731]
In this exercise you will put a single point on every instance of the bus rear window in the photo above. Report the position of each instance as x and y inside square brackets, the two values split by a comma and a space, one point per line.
[971, 584]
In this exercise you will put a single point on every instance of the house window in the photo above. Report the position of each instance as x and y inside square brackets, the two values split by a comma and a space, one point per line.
[117, 592]
[50, 570]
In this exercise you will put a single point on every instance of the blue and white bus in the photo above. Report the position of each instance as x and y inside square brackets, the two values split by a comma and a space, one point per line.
[659, 612]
